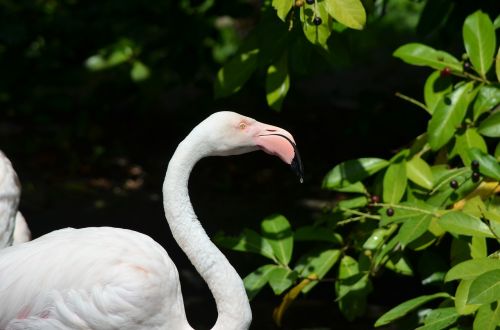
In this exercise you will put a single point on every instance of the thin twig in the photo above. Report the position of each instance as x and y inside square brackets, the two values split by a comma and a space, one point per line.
[412, 100]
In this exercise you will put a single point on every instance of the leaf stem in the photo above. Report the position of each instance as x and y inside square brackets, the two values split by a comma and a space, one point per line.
[412, 100]
[405, 207]
[473, 77]
[363, 214]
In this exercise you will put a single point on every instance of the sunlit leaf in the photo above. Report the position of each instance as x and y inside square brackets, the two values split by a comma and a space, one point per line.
[485, 288]
[461, 298]
[276, 229]
[352, 171]
[316, 34]
[440, 318]
[487, 317]
[461, 223]
[463, 142]
[490, 126]
[395, 182]
[422, 55]
[419, 172]
[256, 280]
[317, 262]
[348, 12]
[487, 98]
[283, 7]
[277, 83]
[435, 88]
[479, 41]
[413, 229]
[406, 307]
[281, 279]
[448, 115]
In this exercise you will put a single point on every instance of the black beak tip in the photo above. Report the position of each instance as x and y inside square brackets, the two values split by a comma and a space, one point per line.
[297, 166]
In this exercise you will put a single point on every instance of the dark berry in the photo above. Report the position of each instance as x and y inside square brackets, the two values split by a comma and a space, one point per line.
[390, 212]
[299, 3]
[445, 72]
[475, 165]
[317, 21]
[375, 198]
[454, 184]
[476, 176]
[310, 2]
[466, 65]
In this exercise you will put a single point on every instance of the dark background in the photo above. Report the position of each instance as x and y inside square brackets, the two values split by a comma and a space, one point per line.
[91, 147]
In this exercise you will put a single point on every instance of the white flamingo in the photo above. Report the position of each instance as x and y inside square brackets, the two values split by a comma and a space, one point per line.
[13, 227]
[111, 278]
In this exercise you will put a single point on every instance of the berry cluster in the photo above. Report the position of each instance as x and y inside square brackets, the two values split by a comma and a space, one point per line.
[475, 171]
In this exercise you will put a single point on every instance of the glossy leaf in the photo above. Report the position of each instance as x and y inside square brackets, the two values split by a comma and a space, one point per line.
[479, 40]
[248, 241]
[491, 126]
[376, 239]
[463, 142]
[352, 171]
[487, 98]
[316, 34]
[413, 229]
[485, 288]
[317, 262]
[276, 229]
[256, 280]
[448, 115]
[348, 12]
[440, 318]
[487, 317]
[277, 83]
[435, 88]
[395, 182]
[419, 172]
[406, 307]
[488, 165]
[282, 8]
[461, 223]
[281, 279]
[422, 55]
[461, 295]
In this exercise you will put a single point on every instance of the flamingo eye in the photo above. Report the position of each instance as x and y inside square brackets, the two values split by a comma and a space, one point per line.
[242, 125]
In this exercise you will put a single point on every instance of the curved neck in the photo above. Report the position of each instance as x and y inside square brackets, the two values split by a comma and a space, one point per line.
[223, 281]
[9, 199]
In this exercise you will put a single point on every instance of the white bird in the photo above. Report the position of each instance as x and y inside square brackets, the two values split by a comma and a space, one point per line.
[13, 227]
[110, 278]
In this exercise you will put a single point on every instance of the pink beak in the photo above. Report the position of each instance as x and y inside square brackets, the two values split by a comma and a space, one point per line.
[278, 142]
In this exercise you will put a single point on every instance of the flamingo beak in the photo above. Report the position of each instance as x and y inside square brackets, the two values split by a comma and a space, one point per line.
[278, 142]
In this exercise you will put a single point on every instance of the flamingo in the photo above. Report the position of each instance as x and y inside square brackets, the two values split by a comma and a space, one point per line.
[112, 278]
[13, 227]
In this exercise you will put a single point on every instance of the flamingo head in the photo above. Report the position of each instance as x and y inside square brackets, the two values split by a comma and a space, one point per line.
[229, 133]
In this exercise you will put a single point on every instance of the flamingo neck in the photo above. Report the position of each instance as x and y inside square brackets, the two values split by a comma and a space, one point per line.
[9, 199]
[223, 281]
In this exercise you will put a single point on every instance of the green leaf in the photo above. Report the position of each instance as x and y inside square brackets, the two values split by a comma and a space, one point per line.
[348, 12]
[496, 22]
[487, 317]
[463, 142]
[491, 126]
[497, 65]
[357, 187]
[317, 233]
[376, 239]
[248, 241]
[411, 230]
[497, 152]
[488, 165]
[399, 264]
[435, 88]
[419, 172]
[283, 8]
[276, 229]
[281, 279]
[461, 298]
[235, 73]
[440, 318]
[317, 262]
[352, 171]
[353, 203]
[256, 280]
[406, 307]
[487, 98]
[395, 182]
[470, 269]
[406, 212]
[461, 223]
[277, 83]
[479, 40]
[422, 55]
[316, 34]
[139, 71]
[485, 288]
[448, 115]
